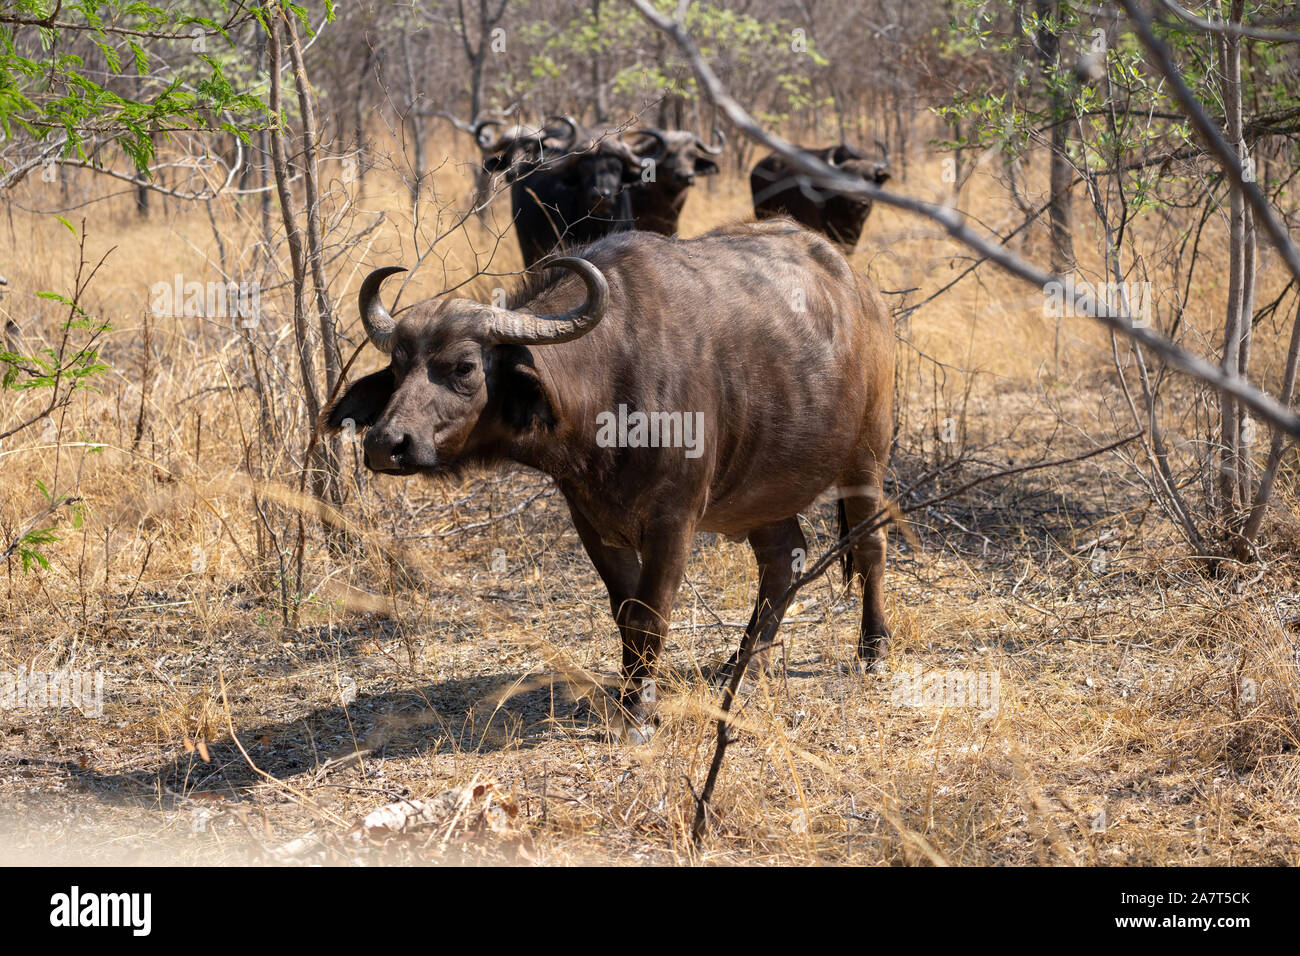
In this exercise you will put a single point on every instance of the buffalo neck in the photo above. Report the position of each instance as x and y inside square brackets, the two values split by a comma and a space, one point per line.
[536, 446]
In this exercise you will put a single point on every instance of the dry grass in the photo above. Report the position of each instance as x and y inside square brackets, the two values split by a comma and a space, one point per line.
[1147, 713]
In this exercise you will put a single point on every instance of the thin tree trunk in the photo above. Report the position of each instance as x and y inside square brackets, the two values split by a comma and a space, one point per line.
[359, 122]
[329, 483]
[1230, 500]
[292, 234]
[597, 80]
[1245, 469]
[315, 255]
[417, 126]
[1061, 174]
[263, 154]
[1264, 492]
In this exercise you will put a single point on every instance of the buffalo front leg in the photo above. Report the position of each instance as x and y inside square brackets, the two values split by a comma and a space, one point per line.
[619, 568]
[643, 624]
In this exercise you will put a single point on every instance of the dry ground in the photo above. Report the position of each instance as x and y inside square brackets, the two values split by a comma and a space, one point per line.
[1146, 713]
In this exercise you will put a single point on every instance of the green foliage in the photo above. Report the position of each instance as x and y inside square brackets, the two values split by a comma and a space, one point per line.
[29, 545]
[740, 42]
[64, 371]
[1118, 113]
[69, 368]
[120, 71]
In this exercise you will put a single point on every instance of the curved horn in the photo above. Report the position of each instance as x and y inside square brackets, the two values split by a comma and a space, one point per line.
[481, 127]
[570, 122]
[379, 324]
[508, 327]
[455, 121]
[612, 146]
[720, 137]
[507, 139]
[662, 151]
[884, 150]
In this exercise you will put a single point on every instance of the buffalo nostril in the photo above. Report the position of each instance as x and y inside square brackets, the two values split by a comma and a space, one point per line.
[384, 451]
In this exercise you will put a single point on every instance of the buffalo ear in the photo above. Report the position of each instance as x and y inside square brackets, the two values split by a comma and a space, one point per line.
[523, 397]
[516, 162]
[843, 154]
[517, 171]
[363, 402]
[509, 163]
[704, 166]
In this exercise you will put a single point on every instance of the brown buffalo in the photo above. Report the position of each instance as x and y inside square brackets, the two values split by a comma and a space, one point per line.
[671, 160]
[668, 386]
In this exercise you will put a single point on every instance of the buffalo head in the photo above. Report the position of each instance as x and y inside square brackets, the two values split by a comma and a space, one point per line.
[679, 155]
[459, 380]
[516, 150]
[587, 168]
[856, 163]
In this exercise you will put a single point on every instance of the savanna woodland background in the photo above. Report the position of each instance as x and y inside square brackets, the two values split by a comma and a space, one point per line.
[288, 643]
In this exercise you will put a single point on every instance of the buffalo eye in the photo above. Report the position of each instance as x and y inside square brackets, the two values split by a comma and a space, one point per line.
[463, 368]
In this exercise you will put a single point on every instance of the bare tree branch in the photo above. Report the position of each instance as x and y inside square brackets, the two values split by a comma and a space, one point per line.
[1228, 29]
[825, 176]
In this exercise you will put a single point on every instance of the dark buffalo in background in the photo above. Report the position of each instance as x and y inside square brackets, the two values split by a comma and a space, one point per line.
[568, 184]
[676, 157]
[787, 374]
[781, 190]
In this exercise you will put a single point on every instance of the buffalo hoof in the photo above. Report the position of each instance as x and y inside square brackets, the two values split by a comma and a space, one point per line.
[635, 721]
[873, 668]
[634, 735]
[872, 654]
[633, 730]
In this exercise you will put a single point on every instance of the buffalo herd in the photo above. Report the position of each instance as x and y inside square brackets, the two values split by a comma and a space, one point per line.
[667, 386]
[570, 184]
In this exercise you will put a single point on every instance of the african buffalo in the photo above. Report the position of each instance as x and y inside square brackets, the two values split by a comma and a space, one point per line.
[781, 190]
[668, 386]
[568, 184]
[675, 158]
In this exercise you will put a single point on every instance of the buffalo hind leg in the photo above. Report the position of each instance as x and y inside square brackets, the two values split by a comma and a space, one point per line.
[779, 548]
[869, 562]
